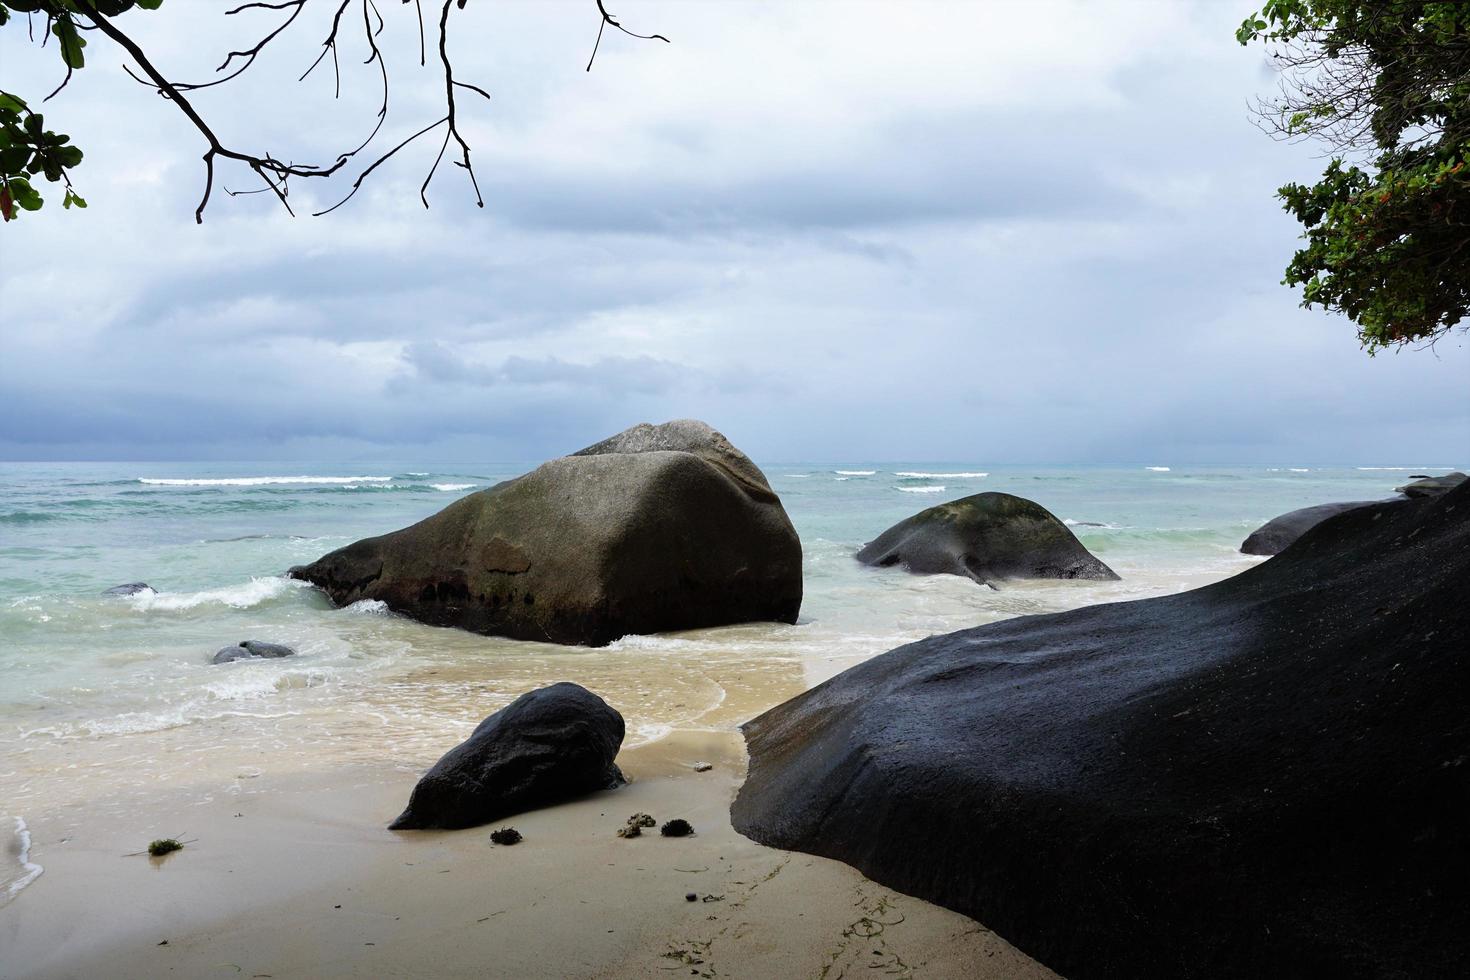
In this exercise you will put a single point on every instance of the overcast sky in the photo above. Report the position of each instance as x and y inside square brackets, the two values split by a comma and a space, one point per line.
[989, 232]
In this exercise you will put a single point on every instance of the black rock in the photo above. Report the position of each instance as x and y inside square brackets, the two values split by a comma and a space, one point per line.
[1268, 776]
[987, 537]
[1278, 533]
[131, 588]
[677, 827]
[1432, 486]
[507, 836]
[546, 747]
[659, 528]
[252, 649]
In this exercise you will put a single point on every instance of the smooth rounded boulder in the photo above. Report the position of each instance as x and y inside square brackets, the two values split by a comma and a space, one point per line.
[546, 747]
[988, 537]
[1277, 534]
[1264, 777]
[130, 588]
[1432, 486]
[659, 528]
[252, 650]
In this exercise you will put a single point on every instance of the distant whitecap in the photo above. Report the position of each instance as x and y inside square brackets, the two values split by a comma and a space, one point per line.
[915, 475]
[451, 486]
[855, 472]
[920, 489]
[260, 481]
[1157, 469]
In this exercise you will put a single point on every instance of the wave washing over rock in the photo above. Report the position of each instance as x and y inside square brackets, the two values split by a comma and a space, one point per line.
[1267, 776]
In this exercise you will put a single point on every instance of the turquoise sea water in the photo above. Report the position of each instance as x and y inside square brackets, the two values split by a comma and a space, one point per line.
[101, 697]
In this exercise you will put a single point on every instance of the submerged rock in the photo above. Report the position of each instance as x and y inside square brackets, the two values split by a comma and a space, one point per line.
[658, 528]
[131, 588]
[1267, 776]
[1432, 486]
[546, 747]
[252, 650]
[987, 537]
[1278, 533]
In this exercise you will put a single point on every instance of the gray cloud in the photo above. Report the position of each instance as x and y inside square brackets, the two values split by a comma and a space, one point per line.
[895, 237]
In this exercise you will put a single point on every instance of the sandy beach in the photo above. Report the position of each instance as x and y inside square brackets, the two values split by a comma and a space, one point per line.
[295, 876]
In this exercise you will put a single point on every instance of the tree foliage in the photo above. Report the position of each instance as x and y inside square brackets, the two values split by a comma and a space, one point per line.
[29, 150]
[1385, 84]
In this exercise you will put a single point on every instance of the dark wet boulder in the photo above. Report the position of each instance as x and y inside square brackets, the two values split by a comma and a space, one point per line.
[131, 588]
[659, 528]
[546, 747]
[1267, 776]
[1432, 486]
[252, 650]
[988, 537]
[1278, 533]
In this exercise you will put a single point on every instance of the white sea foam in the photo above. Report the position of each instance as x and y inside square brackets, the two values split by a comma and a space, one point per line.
[450, 487]
[260, 481]
[251, 593]
[417, 473]
[915, 475]
[1404, 467]
[23, 871]
[854, 472]
[841, 479]
[1298, 469]
[1157, 469]
[141, 722]
[368, 607]
[920, 489]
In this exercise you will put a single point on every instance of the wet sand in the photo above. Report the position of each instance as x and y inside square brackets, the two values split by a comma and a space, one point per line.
[294, 875]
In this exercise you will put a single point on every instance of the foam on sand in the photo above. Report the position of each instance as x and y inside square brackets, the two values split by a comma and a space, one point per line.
[19, 870]
[261, 481]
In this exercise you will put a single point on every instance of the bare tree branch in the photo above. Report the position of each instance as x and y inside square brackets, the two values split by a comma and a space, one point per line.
[276, 174]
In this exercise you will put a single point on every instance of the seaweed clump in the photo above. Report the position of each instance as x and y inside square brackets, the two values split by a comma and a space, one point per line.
[506, 836]
[635, 825]
[678, 827]
[165, 845]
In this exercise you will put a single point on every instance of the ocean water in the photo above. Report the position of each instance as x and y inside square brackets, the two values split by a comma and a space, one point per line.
[105, 698]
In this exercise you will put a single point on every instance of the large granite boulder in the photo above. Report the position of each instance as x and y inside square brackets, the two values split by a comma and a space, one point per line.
[1278, 533]
[1268, 776]
[548, 746]
[659, 528]
[987, 537]
[1432, 486]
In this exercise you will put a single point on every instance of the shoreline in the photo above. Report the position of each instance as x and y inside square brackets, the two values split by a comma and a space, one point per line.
[296, 875]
